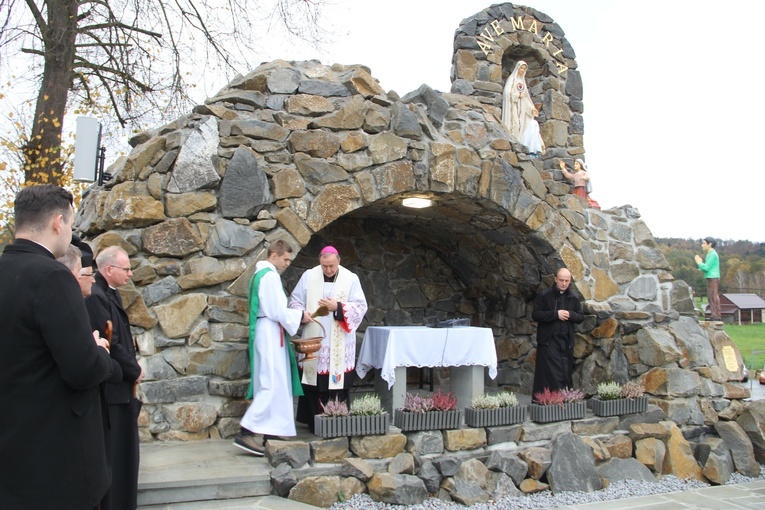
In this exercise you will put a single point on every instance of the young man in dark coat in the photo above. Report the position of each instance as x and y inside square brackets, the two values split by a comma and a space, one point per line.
[556, 309]
[105, 303]
[52, 451]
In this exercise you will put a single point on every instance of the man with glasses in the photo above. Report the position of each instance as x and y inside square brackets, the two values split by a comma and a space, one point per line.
[79, 259]
[52, 451]
[105, 304]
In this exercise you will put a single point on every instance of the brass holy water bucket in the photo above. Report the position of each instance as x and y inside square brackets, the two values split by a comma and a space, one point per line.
[309, 346]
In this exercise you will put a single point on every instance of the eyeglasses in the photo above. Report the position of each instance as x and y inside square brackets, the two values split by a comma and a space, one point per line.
[126, 269]
[87, 275]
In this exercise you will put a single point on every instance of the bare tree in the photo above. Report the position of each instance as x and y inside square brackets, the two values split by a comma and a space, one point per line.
[130, 57]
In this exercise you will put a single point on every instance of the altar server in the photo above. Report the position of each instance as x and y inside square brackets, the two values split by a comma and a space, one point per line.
[272, 361]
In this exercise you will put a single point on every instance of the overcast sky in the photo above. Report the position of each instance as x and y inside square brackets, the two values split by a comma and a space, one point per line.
[672, 95]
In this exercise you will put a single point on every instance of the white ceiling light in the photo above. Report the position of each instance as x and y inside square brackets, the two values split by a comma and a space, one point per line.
[417, 202]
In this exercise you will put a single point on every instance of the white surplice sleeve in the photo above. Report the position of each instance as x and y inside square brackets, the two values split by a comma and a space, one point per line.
[356, 306]
[273, 303]
[298, 296]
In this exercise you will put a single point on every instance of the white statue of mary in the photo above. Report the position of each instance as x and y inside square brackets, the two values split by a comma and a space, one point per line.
[518, 110]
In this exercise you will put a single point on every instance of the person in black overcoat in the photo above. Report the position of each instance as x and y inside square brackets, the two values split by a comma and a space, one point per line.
[556, 310]
[105, 303]
[52, 452]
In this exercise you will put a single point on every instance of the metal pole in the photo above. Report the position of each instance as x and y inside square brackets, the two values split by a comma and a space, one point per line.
[102, 176]
[101, 159]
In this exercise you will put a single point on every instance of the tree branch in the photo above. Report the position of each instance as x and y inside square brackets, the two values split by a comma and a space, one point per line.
[127, 78]
[39, 20]
[122, 26]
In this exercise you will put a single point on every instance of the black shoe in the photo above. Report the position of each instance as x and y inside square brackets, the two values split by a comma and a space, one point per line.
[250, 444]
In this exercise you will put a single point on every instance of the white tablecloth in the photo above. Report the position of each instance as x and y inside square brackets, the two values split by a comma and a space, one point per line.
[418, 346]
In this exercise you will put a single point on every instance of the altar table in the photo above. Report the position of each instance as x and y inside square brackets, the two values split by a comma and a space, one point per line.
[390, 349]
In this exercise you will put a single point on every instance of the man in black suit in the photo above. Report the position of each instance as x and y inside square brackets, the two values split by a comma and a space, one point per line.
[556, 309]
[52, 451]
[105, 304]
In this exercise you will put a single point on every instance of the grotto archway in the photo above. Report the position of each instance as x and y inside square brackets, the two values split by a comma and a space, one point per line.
[460, 257]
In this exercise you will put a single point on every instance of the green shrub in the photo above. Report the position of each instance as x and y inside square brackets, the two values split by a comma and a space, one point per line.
[334, 407]
[632, 389]
[485, 401]
[609, 391]
[507, 399]
[368, 405]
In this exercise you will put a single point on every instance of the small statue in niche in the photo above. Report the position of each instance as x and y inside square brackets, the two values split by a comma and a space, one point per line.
[581, 179]
[519, 111]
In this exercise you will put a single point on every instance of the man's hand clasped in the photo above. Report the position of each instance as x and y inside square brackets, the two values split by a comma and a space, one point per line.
[103, 342]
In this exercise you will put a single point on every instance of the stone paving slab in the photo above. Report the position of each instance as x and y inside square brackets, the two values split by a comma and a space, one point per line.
[748, 496]
[262, 503]
[170, 464]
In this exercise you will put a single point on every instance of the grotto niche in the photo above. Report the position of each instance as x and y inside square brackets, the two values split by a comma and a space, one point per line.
[317, 154]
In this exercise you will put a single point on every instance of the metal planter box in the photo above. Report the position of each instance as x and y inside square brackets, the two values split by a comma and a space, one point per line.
[495, 417]
[619, 406]
[432, 420]
[567, 411]
[343, 426]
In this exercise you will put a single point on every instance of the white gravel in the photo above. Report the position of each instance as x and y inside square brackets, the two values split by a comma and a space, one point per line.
[545, 499]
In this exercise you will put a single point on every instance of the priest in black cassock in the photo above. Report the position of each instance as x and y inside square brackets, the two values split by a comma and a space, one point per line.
[556, 309]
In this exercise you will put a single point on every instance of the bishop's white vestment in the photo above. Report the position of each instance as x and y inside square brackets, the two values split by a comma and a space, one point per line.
[337, 355]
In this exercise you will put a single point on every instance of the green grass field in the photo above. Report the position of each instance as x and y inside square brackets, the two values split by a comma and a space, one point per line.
[749, 337]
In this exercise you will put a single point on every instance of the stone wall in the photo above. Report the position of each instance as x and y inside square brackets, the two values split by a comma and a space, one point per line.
[313, 154]
[476, 465]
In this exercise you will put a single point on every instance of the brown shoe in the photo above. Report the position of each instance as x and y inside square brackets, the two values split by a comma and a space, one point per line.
[251, 444]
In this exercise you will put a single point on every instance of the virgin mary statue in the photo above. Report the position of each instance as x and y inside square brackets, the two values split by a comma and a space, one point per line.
[518, 110]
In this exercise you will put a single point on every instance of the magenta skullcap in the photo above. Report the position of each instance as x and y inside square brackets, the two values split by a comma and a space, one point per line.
[329, 249]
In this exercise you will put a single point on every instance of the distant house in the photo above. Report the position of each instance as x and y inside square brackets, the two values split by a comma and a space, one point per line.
[740, 308]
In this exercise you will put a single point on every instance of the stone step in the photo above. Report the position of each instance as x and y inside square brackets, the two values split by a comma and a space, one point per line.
[258, 503]
[199, 471]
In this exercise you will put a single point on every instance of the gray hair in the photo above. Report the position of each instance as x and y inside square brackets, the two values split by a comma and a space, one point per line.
[72, 258]
[108, 256]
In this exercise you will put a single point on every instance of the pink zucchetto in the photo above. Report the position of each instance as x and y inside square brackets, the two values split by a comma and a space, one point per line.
[329, 249]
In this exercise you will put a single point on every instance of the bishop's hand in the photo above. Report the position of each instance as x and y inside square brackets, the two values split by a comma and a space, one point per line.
[330, 303]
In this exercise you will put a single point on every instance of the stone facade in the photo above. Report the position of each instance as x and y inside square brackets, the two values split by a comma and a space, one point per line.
[317, 154]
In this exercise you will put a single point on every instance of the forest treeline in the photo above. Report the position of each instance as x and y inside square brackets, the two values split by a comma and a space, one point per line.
[742, 264]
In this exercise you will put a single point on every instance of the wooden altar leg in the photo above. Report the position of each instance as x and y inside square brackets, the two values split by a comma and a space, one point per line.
[467, 383]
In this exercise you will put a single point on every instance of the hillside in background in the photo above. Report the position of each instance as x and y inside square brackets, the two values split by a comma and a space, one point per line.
[742, 264]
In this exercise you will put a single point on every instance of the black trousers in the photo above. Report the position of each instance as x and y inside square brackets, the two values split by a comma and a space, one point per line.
[310, 404]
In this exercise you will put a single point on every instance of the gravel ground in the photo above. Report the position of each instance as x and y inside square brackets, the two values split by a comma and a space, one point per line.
[545, 499]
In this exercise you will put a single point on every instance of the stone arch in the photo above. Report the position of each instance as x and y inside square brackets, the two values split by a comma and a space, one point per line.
[312, 154]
